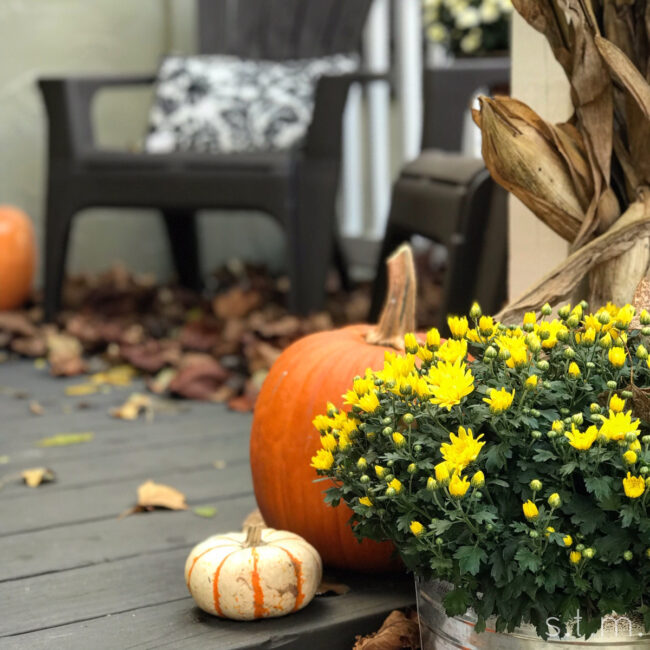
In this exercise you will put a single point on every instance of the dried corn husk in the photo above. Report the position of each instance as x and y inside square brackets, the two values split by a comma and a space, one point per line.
[520, 151]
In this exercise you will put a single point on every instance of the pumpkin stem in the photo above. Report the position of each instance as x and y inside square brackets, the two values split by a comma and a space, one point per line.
[253, 535]
[398, 315]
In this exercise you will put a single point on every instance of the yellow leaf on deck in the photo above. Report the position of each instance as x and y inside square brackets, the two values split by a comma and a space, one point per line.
[156, 495]
[137, 403]
[37, 475]
[80, 389]
[63, 439]
[115, 376]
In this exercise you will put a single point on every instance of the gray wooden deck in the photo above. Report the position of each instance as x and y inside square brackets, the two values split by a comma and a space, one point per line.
[74, 576]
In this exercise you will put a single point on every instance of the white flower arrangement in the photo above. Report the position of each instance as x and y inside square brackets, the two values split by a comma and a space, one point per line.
[468, 27]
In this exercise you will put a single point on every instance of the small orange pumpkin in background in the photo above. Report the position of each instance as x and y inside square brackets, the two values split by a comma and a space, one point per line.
[17, 257]
[258, 573]
[314, 370]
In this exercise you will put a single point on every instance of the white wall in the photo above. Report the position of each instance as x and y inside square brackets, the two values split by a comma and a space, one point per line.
[66, 37]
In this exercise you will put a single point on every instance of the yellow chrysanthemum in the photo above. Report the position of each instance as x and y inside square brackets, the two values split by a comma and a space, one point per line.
[396, 484]
[458, 486]
[462, 450]
[380, 471]
[582, 440]
[396, 366]
[549, 530]
[458, 326]
[634, 486]
[365, 501]
[616, 356]
[416, 528]
[530, 510]
[591, 322]
[486, 325]
[624, 316]
[323, 459]
[399, 439]
[433, 338]
[322, 423]
[411, 343]
[568, 540]
[550, 329]
[616, 403]
[369, 402]
[362, 385]
[328, 441]
[425, 354]
[531, 382]
[575, 557]
[574, 370]
[443, 471]
[450, 382]
[452, 350]
[499, 400]
[516, 346]
[617, 425]
[530, 318]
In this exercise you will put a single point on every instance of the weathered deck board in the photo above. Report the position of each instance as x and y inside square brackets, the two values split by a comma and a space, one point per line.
[73, 576]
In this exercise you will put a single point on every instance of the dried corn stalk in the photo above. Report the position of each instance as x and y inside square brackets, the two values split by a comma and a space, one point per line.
[580, 176]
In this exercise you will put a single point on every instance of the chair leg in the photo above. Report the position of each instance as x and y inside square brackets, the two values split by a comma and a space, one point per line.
[310, 234]
[341, 264]
[57, 234]
[184, 243]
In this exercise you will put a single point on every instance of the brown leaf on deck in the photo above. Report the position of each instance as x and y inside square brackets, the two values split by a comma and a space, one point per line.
[200, 336]
[37, 475]
[236, 303]
[397, 631]
[17, 323]
[327, 588]
[152, 355]
[160, 383]
[64, 355]
[199, 377]
[29, 346]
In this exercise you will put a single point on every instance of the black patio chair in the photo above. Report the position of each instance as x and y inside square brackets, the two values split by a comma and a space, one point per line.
[296, 187]
[450, 198]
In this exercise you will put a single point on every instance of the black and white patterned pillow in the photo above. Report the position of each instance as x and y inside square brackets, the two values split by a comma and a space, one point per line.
[224, 104]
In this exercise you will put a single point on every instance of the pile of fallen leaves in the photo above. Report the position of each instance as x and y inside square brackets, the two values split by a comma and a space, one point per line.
[214, 346]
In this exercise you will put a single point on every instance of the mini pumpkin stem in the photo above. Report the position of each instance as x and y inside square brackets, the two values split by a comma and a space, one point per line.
[398, 315]
[253, 535]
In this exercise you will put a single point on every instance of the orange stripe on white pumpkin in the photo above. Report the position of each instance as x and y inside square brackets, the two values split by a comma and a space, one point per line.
[297, 567]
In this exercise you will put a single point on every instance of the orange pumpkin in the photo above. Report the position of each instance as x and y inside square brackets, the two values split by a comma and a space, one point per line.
[17, 257]
[314, 370]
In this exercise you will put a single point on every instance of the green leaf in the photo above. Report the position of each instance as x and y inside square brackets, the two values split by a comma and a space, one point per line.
[544, 455]
[440, 526]
[599, 486]
[484, 517]
[205, 511]
[568, 468]
[527, 559]
[456, 602]
[470, 558]
[64, 439]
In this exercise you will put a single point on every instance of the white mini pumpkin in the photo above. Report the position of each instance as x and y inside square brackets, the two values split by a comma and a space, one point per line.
[258, 573]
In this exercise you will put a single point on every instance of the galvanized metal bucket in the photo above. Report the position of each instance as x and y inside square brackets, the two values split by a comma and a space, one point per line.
[440, 632]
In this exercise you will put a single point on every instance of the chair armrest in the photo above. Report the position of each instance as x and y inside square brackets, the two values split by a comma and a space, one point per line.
[68, 105]
[325, 133]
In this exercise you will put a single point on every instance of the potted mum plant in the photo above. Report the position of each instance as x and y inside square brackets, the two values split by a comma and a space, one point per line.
[511, 465]
[469, 27]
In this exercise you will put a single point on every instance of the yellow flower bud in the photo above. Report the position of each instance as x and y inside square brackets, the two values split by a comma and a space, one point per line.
[616, 404]
[630, 457]
[530, 510]
[530, 318]
[475, 311]
[568, 540]
[457, 326]
[531, 382]
[574, 370]
[442, 472]
[380, 471]
[575, 557]
[549, 530]
[396, 484]
[410, 343]
[554, 500]
[416, 528]
[365, 501]
[433, 338]
[399, 439]
[478, 480]
[458, 487]
[362, 463]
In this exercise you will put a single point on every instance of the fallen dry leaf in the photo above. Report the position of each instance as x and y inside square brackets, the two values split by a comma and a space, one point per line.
[64, 355]
[64, 439]
[327, 588]
[236, 303]
[199, 377]
[35, 408]
[32, 346]
[397, 631]
[131, 409]
[219, 464]
[37, 475]
[4, 460]
[79, 390]
[17, 323]
[156, 495]
[121, 375]
[152, 355]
